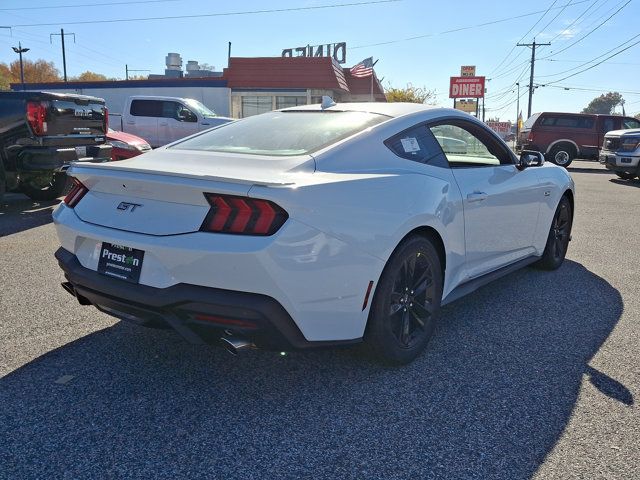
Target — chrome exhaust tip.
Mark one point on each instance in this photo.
(234, 345)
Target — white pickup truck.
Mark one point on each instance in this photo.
(162, 120)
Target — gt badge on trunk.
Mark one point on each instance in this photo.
(120, 262)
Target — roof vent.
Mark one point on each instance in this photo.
(327, 102)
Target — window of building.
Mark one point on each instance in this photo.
(290, 101)
(255, 105)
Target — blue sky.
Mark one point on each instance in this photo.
(386, 31)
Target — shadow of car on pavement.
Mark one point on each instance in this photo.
(488, 399)
(19, 213)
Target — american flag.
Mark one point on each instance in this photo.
(363, 69)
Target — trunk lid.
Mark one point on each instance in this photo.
(162, 192)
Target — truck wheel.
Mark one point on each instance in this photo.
(562, 155)
(626, 175)
(59, 185)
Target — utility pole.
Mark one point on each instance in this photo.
(533, 47)
(19, 50)
(518, 112)
(64, 56)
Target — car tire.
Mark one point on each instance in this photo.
(60, 185)
(559, 236)
(626, 176)
(405, 304)
(562, 155)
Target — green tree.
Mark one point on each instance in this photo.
(604, 104)
(409, 94)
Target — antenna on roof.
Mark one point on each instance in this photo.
(327, 102)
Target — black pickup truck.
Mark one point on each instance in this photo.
(42, 133)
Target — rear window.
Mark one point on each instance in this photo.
(530, 121)
(566, 121)
(282, 133)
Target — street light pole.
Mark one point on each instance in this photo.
(19, 50)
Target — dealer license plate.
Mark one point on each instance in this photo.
(120, 262)
(81, 152)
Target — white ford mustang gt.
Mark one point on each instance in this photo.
(312, 226)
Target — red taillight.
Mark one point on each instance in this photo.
(530, 137)
(106, 120)
(242, 215)
(78, 190)
(36, 117)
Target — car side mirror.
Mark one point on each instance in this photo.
(530, 158)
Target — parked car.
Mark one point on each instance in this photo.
(621, 153)
(310, 227)
(125, 145)
(42, 133)
(162, 120)
(562, 137)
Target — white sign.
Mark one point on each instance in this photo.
(410, 145)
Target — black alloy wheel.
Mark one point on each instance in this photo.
(411, 300)
(403, 312)
(559, 237)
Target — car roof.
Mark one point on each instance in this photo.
(390, 109)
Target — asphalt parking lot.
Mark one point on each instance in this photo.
(535, 375)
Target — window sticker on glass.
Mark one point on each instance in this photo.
(410, 145)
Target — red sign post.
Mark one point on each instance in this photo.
(466, 87)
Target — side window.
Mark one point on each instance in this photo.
(571, 122)
(178, 112)
(469, 145)
(630, 123)
(414, 144)
(607, 125)
(548, 121)
(146, 108)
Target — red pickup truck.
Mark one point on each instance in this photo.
(565, 136)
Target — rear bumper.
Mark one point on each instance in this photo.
(34, 159)
(200, 314)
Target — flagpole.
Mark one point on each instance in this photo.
(372, 73)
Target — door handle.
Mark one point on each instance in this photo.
(164, 124)
(130, 122)
(476, 197)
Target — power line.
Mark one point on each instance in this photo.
(590, 61)
(593, 89)
(589, 33)
(524, 36)
(593, 66)
(554, 18)
(85, 5)
(576, 20)
(203, 15)
(459, 29)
